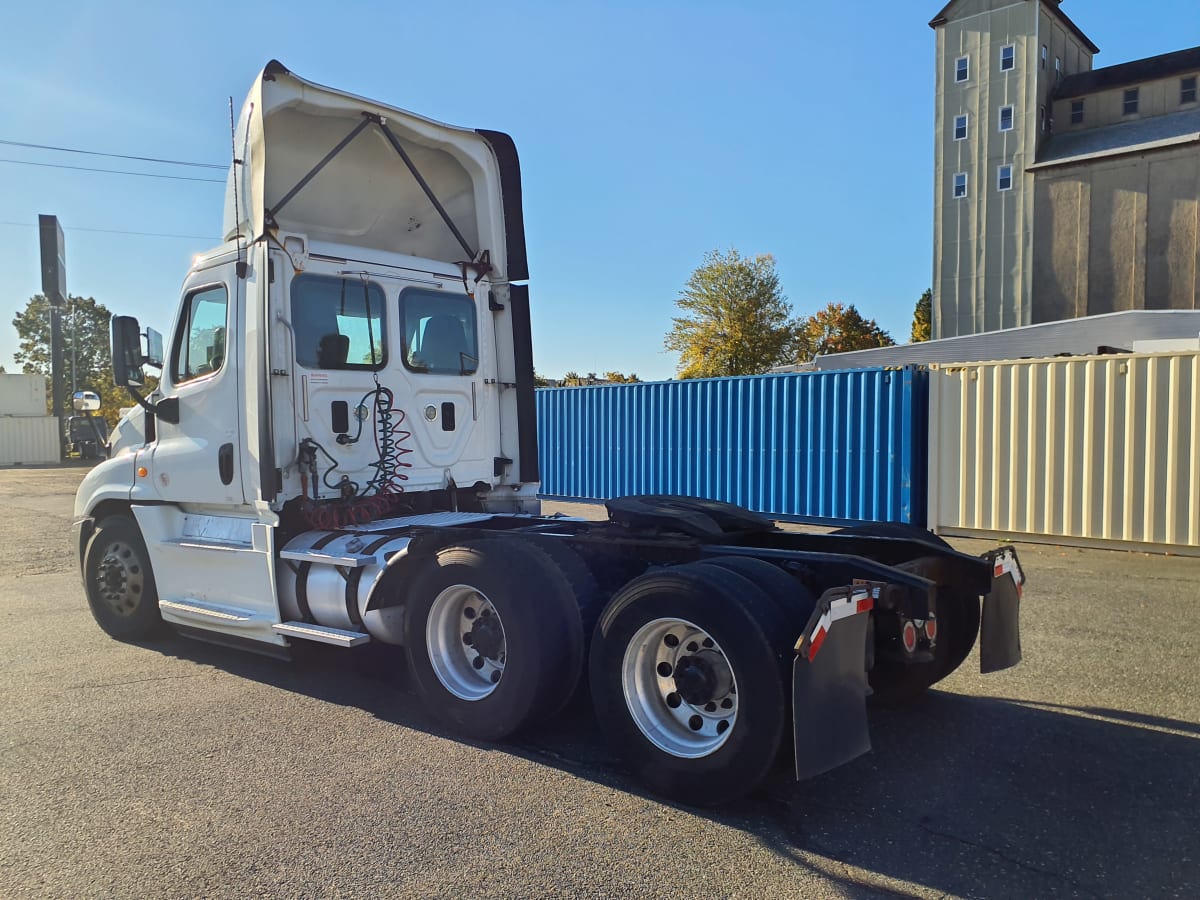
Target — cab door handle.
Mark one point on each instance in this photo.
(225, 463)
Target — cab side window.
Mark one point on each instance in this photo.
(199, 347)
(338, 322)
(439, 332)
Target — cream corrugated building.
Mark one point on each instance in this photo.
(1060, 190)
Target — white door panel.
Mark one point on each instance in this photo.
(197, 459)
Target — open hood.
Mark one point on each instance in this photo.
(344, 170)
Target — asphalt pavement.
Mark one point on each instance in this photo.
(182, 769)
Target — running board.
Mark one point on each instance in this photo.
(338, 637)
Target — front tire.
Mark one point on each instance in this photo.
(687, 671)
(120, 582)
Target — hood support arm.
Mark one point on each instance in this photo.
(462, 241)
(271, 213)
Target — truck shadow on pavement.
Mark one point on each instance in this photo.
(975, 796)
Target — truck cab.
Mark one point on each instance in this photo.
(357, 347)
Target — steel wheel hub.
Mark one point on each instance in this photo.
(679, 688)
(120, 579)
(466, 642)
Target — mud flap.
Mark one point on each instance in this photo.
(1000, 629)
(829, 682)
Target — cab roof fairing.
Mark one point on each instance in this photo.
(365, 196)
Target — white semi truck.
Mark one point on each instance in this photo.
(342, 448)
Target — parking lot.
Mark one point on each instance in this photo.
(182, 769)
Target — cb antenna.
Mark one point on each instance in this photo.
(237, 209)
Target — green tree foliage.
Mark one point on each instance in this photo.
(86, 325)
(574, 379)
(838, 329)
(922, 324)
(735, 319)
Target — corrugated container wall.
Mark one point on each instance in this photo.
(819, 447)
(1096, 451)
(22, 395)
(28, 440)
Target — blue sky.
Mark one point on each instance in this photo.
(649, 133)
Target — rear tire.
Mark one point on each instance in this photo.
(957, 620)
(120, 582)
(493, 637)
(710, 728)
(794, 600)
(589, 600)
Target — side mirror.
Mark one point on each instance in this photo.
(85, 401)
(127, 352)
(154, 349)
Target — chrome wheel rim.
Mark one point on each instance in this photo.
(121, 579)
(466, 642)
(679, 688)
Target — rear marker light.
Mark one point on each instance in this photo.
(909, 635)
(931, 629)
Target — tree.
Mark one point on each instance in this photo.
(85, 325)
(621, 378)
(735, 319)
(838, 329)
(922, 324)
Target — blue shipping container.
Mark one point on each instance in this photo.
(823, 447)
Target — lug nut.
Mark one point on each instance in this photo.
(726, 703)
(695, 723)
(664, 669)
(469, 612)
(477, 662)
(673, 700)
(692, 647)
(671, 641)
(710, 707)
(468, 639)
(496, 676)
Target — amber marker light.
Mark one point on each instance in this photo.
(143, 471)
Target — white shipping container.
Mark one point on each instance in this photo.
(1088, 451)
(22, 395)
(28, 440)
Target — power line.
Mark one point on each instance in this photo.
(190, 237)
(153, 159)
(26, 162)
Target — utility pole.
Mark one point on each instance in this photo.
(54, 286)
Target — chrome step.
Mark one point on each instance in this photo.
(338, 637)
(198, 543)
(349, 560)
(204, 610)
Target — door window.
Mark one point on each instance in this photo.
(200, 342)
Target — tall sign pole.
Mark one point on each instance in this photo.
(54, 286)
